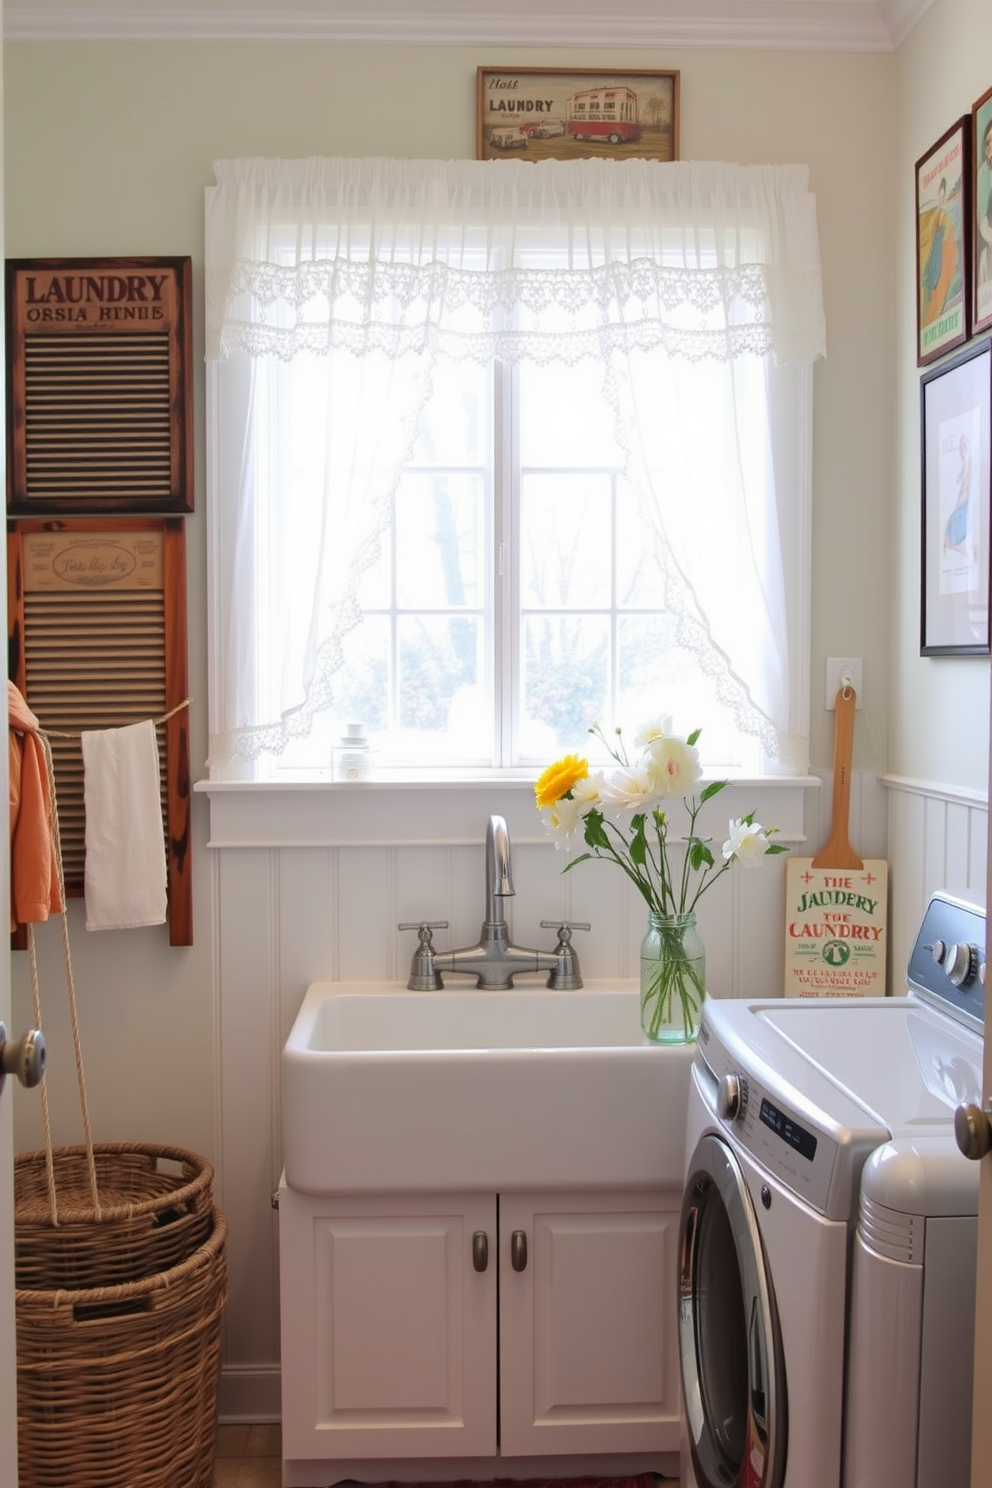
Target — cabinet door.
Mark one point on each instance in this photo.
(388, 1330)
(588, 1328)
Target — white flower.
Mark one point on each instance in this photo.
(563, 819)
(674, 765)
(655, 728)
(588, 792)
(747, 842)
(632, 788)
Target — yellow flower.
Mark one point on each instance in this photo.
(558, 779)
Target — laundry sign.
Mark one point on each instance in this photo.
(836, 903)
(836, 929)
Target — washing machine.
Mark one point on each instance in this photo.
(828, 1230)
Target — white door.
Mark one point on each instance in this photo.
(8, 1385)
(8, 1379)
(981, 1432)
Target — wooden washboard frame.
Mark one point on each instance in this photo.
(99, 385)
(96, 628)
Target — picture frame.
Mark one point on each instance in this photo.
(955, 419)
(555, 113)
(981, 212)
(943, 244)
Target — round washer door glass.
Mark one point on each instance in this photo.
(733, 1378)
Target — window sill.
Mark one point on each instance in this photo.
(419, 811)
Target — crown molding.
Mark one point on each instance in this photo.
(841, 25)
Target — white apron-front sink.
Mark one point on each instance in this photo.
(386, 1090)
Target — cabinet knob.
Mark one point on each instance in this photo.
(480, 1250)
(518, 1250)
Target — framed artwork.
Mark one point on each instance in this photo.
(537, 113)
(955, 415)
(943, 244)
(981, 211)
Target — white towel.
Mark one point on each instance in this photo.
(124, 877)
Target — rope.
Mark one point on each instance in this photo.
(56, 734)
(45, 1113)
(70, 984)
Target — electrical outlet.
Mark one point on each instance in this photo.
(843, 671)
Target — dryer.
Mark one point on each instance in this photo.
(826, 1206)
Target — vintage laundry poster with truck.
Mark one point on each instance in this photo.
(564, 115)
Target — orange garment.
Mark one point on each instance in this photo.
(34, 878)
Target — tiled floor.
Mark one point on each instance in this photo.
(248, 1457)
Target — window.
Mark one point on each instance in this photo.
(497, 455)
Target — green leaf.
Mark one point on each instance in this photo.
(709, 791)
(595, 833)
(693, 737)
(775, 847)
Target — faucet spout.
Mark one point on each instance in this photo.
(493, 960)
(499, 883)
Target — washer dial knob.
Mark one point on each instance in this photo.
(961, 964)
(729, 1097)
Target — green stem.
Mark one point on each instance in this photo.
(678, 976)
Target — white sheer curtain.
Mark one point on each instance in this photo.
(365, 271)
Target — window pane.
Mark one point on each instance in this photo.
(655, 675)
(361, 687)
(440, 543)
(454, 425)
(640, 576)
(564, 417)
(566, 541)
(439, 666)
(566, 681)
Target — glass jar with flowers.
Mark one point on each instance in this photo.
(616, 812)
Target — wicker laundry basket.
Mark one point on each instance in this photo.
(156, 1209)
(117, 1385)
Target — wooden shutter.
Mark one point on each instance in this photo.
(96, 621)
(99, 389)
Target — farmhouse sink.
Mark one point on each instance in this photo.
(386, 1090)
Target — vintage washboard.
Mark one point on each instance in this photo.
(96, 623)
(99, 385)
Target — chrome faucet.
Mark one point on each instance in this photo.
(493, 961)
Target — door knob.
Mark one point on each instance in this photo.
(25, 1058)
(480, 1250)
(972, 1130)
(518, 1250)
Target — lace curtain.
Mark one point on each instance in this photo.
(366, 271)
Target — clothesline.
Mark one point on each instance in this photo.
(57, 734)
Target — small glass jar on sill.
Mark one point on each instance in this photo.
(351, 757)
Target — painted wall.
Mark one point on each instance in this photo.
(939, 719)
(108, 149)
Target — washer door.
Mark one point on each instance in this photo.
(733, 1376)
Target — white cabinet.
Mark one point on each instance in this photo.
(389, 1325)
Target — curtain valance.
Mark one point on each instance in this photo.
(553, 260)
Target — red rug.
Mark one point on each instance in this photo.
(644, 1480)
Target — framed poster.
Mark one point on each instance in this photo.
(537, 113)
(981, 211)
(955, 413)
(943, 244)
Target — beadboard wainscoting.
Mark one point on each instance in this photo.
(310, 886)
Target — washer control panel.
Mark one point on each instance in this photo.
(947, 964)
(792, 1147)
